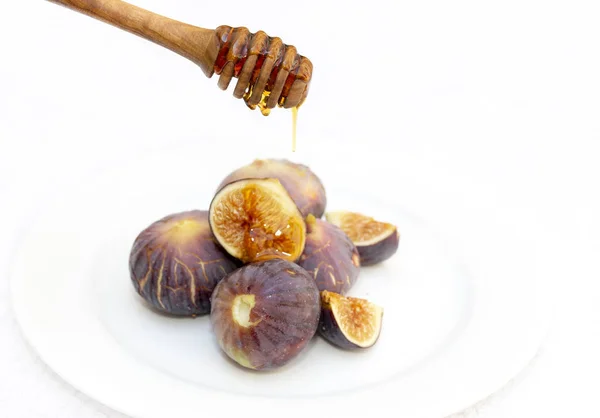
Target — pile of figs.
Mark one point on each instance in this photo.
(267, 263)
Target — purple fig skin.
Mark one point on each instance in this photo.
(330, 257)
(380, 251)
(303, 185)
(283, 318)
(175, 264)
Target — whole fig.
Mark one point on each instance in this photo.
(175, 264)
(329, 256)
(265, 313)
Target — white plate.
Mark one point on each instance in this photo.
(463, 314)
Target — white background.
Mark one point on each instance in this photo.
(507, 91)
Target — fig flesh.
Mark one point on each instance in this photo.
(349, 323)
(256, 220)
(303, 185)
(265, 313)
(376, 241)
(175, 264)
(329, 256)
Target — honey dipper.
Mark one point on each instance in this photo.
(269, 73)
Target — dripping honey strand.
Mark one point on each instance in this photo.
(294, 124)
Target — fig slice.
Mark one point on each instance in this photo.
(376, 241)
(348, 322)
(257, 220)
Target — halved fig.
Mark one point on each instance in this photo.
(329, 256)
(303, 185)
(376, 241)
(348, 322)
(175, 263)
(256, 220)
(265, 313)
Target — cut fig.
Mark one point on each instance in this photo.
(257, 220)
(349, 323)
(265, 313)
(329, 256)
(303, 185)
(175, 264)
(376, 241)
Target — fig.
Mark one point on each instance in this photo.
(303, 185)
(348, 322)
(257, 220)
(175, 263)
(376, 241)
(265, 313)
(329, 256)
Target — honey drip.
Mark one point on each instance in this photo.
(262, 105)
(294, 122)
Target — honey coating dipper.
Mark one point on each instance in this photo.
(269, 73)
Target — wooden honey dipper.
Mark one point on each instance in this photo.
(269, 73)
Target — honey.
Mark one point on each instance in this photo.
(294, 123)
(262, 104)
